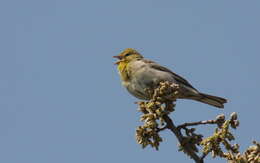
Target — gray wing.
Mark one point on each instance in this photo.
(175, 76)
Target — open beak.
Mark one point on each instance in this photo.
(118, 57)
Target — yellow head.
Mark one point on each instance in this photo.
(128, 55)
(125, 57)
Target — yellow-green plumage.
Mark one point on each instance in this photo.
(122, 69)
(127, 56)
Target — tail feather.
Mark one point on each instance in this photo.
(210, 100)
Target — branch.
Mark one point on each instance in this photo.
(184, 125)
(178, 134)
(156, 118)
(157, 109)
(220, 119)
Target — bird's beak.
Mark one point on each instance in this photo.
(118, 57)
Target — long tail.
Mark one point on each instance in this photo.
(210, 100)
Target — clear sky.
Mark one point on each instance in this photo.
(60, 95)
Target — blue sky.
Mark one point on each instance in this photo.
(60, 94)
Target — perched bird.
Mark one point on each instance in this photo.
(139, 74)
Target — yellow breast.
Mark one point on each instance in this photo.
(122, 68)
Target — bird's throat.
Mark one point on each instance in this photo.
(122, 68)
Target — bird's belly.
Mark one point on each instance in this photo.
(136, 90)
(144, 81)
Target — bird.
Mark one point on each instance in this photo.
(139, 74)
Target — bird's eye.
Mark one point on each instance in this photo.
(127, 54)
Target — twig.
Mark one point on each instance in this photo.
(161, 129)
(184, 125)
(178, 134)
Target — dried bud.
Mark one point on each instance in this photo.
(234, 124)
(220, 119)
(154, 110)
(233, 116)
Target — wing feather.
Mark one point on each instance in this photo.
(176, 76)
